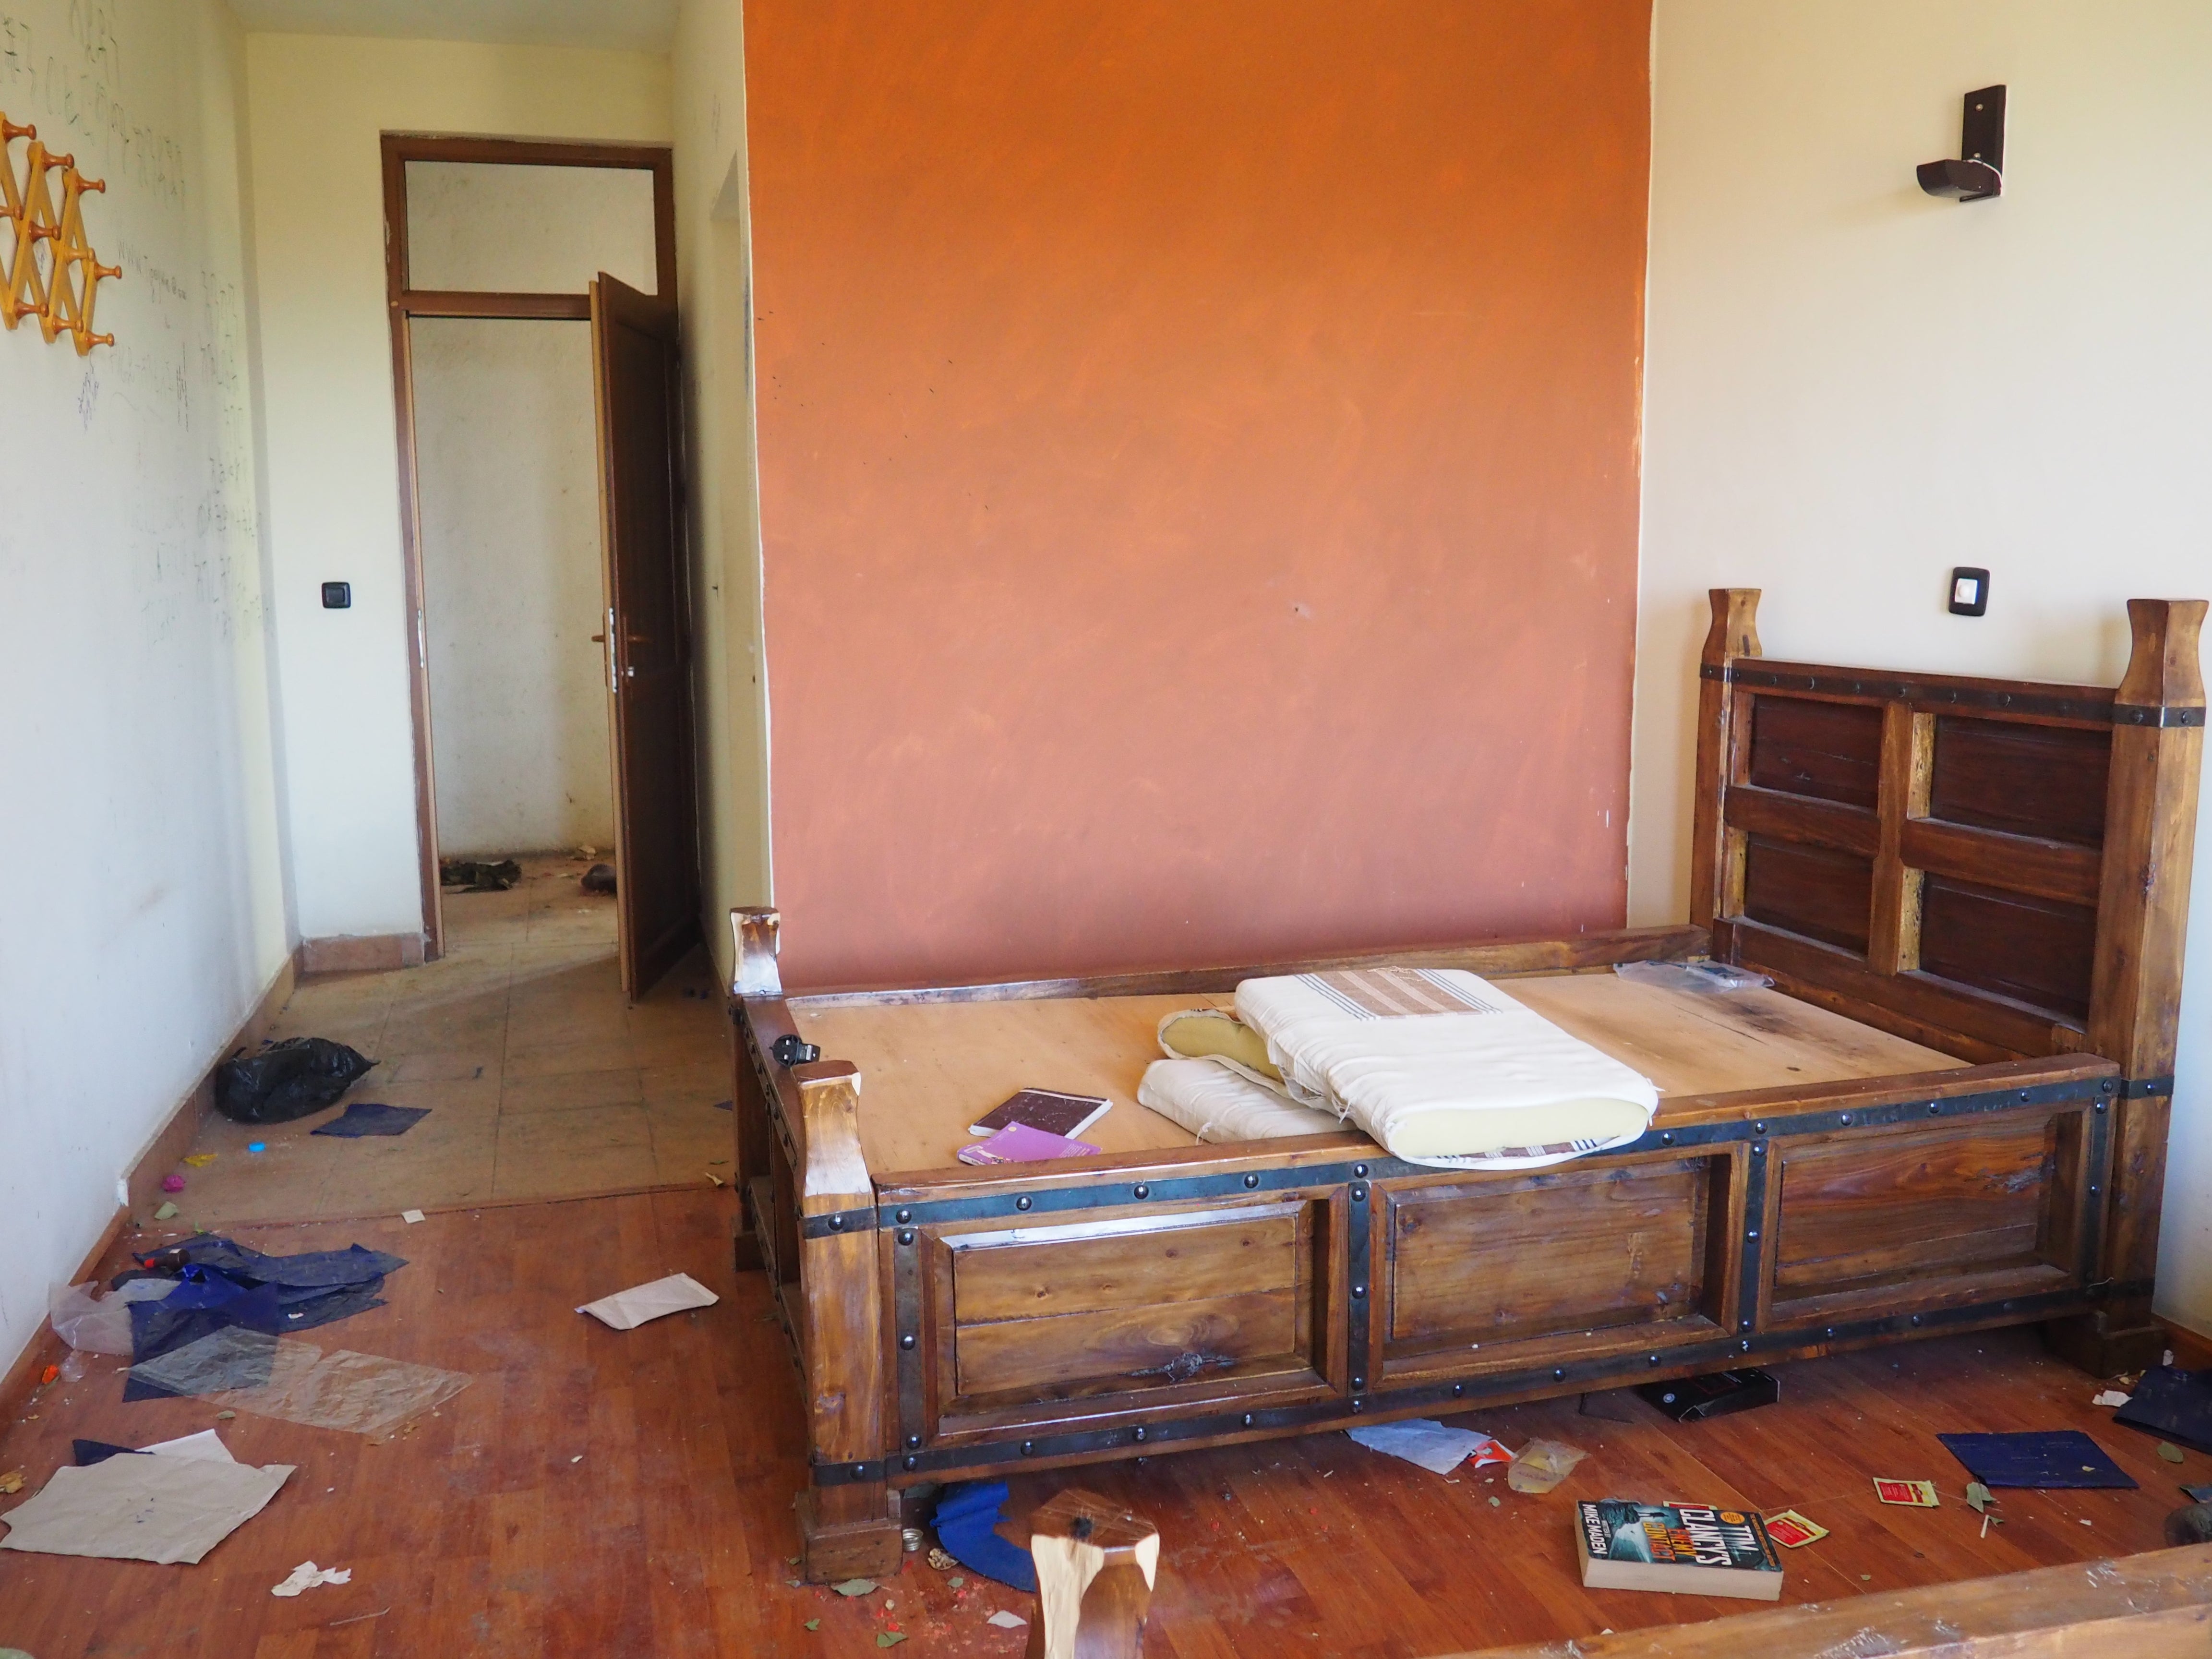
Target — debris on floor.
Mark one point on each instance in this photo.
(967, 1520)
(479, 875)
(1794, 1531)
(1005, 1620)
(172, 1183)
(167, 1212)
(172, 1505)
(626, 1310)
(308, 1575)
(1693, 1399)
(356, 1392)
(411, 1216)
(96, 1324)
(199, 1160)
(1437, 1447)
(1979, 1497)
(2062, 1459)
(2108, 1397)
(2176, 1405)
(366, 1117)
(12, 1481)
(1910, 1494)
(855, 1586)
(287, 1080)
(599, 878)
(1542, 1465)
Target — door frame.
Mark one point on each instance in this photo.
(405, 303)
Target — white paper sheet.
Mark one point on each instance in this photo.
(1437, 1447)
(626, 1310)
(165, 1507)
(206, 1445)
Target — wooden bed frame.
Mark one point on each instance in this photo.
(1971, 895)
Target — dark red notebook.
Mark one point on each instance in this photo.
(1056, 1114)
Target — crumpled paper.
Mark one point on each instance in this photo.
(308, 1575)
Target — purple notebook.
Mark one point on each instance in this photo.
(1018, 1143)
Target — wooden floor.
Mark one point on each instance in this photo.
(542, 1081)
(599, 1493)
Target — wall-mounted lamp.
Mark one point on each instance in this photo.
(1979, 173)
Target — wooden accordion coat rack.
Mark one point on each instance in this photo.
(60, 289)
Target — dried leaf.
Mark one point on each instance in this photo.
(855, 1587)
(1979, 1496)
(12, 1481)
(814, 1624)
(888, 1638)
(2169, 1451)
(165, 1211)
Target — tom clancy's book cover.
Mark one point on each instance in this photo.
(1690, 1549)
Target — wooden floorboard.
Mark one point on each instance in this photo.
(600, 1492)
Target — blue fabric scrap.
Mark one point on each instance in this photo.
(967, 1517)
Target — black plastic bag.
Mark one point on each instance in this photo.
(287, 1080)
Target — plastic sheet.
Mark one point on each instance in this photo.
(1542, 1465)
(232, 1357)
(356, 1393)
(1699, 978)
(97, 1324)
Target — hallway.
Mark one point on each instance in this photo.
(542, 1083)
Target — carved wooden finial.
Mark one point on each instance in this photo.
(1095, 1566)
(1735, 632)
(2162, 667)
(834, 1176)
(755, 932)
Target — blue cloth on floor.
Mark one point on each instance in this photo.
(373, 1118)
(310, 1270)
(2060, 1459)
(966, 1516)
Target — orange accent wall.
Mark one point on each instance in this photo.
(1198, 450)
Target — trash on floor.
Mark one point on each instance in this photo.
(356, 1393)
(172, 1183)
(220, 1286)
(411, 1216)
(479, 875)
(967, 1520)
(2108, 1397)
(97, 1324)
(2170, 1452)
(1542, 1465)
(1437, 1447)
(626, 1310)
(1693, 1399)
(173, 1505)
(1910, 1494)
(167, 1212)
(2176, 1405)
(12, 1481)
(365, 1117)
(1794, 1531)
(1979, 1497)
(308, 1575)
(287, 1080)
(226, 1357)
(2059, 1459)
(855, 1586)
(1005, 1620)
(199, 1160)
(599, 878)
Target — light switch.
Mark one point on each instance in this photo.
(1970, 591)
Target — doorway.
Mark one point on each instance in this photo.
(533, 300)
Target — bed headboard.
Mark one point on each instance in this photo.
(1996, 868)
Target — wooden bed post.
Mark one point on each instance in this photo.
(1096, 1565)
(2135, 999)
(848, 1518)
(1716, 851)
(754, 933)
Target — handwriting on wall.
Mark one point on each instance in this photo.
(50, 269)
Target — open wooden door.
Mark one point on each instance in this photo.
(636, 376)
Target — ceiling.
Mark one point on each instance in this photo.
(634, 25)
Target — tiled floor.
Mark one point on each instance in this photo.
(542, 1082)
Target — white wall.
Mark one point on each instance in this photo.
(1852, 387)
(714, 248)
(507, 475)
(142, 913)
(320, 104)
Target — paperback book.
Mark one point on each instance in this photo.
(1688, 1549)
(1056, 1114)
